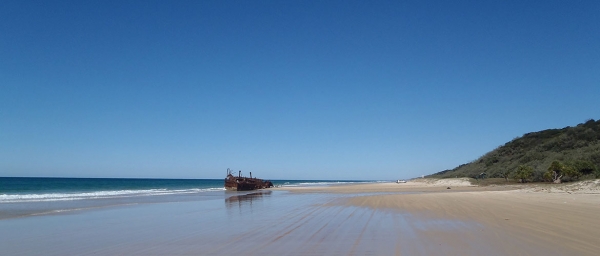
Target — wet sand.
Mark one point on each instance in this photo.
(558, 223)
(511, 220)
(366, 219)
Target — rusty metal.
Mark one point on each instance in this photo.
(241, 183)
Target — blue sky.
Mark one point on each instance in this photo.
(286, 89)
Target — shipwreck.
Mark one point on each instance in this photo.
(240, 183)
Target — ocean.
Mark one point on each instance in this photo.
(21, 197)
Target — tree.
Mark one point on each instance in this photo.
(555, 171)
(524, 173)
(548, 176)
(584, 167)
(505, 173)
(571, 172)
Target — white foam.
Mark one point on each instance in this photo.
(323, 183)
(49, 197)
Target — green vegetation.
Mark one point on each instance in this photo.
(524, 173)
(554, 155)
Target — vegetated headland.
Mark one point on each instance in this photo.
(553, 155)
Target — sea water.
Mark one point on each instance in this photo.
(21, 197)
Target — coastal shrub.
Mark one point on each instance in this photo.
(590, 123)
(506, 174)
(583, 167)
(595, 158)
(538, 175)
(524, 173)
(572, 146)
(588, 135)
(560, 172)
(571, 173)
(548, 177)
(490, 161)
(555, 171)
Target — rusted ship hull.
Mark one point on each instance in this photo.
(241, 183)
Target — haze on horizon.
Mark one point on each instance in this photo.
(286, 90)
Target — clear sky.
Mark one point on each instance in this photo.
(286, 89)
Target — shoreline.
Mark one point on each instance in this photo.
(414, 218)
(421, 185)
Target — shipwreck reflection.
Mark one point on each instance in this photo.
(247, 200)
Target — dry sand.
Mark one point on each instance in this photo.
(514, 220)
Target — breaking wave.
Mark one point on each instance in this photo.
(322, 183)
(50, 197)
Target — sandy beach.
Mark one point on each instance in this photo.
(415, 218)
(513, 222)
